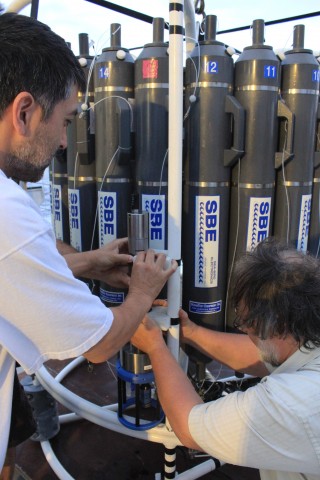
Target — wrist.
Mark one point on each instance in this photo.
(157, 348)
(139, 303)
(190, 333)
(139, 299)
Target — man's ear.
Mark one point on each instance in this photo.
(25, 113)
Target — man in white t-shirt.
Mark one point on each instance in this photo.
(45, 312)
(275, 425)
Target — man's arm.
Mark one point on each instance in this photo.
(176, 393)
(234, 350)
(108, 263)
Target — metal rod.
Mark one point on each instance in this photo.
(34, 9)
(272, 22)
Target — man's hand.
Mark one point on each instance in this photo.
(149, 275)
(147, 336)
(109, 264)
(187, 327)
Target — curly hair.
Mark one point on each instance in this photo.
(276, 290)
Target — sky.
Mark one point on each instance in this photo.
(68, 18)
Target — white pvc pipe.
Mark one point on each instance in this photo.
(175, 127)
(175, 132)
(17, 5)
(68, 368)
(191, 474)
(198, 471)
(190, 26)
(54, 463)
(73, 417)
(101, 416)
(173, 340)
(183, 11)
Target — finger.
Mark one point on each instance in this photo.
(124, 278)
(161, 259)
(182, 314)
(174, 265)
(158, 302)
(170, 267)
(123, 259)
(150, 256)
(140, 257)
(122, 244)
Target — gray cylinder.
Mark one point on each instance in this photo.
(44, 409)
(138, 232)
(82, 197)
(300, 91)
(314, 231)
(58, 174)
(256, 86)
(113, 87)
(151, 108)
(211, 147)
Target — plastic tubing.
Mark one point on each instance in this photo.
(54, 463)
(190, 26)
(60, 392)
(197, 471)
(102, 416)
(175, 130)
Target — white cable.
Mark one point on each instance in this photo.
(197, 69)
(54, 463)
(235, 246)
(318, 248)
(97, 209)
(114, 96)
(76, 165)
(198, 471)
(162, 168)
(98, 415)
(91, 68)
(284, 182)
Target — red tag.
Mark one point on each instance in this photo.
(150, 68)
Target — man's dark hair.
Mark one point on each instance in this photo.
(276, 291)
(35, 59)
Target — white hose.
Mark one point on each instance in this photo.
(54, 463)
(190, 26)
(101, 416)
(197, 471)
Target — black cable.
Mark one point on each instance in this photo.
(272, 22)
(34, 9)
(124, 10)
(199, 7)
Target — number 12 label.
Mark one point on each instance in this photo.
(211, 67)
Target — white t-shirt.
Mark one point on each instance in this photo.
(273, 426)
(45, 313)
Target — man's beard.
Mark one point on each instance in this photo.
(21, 170)
(268, 353)
(28, 162)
